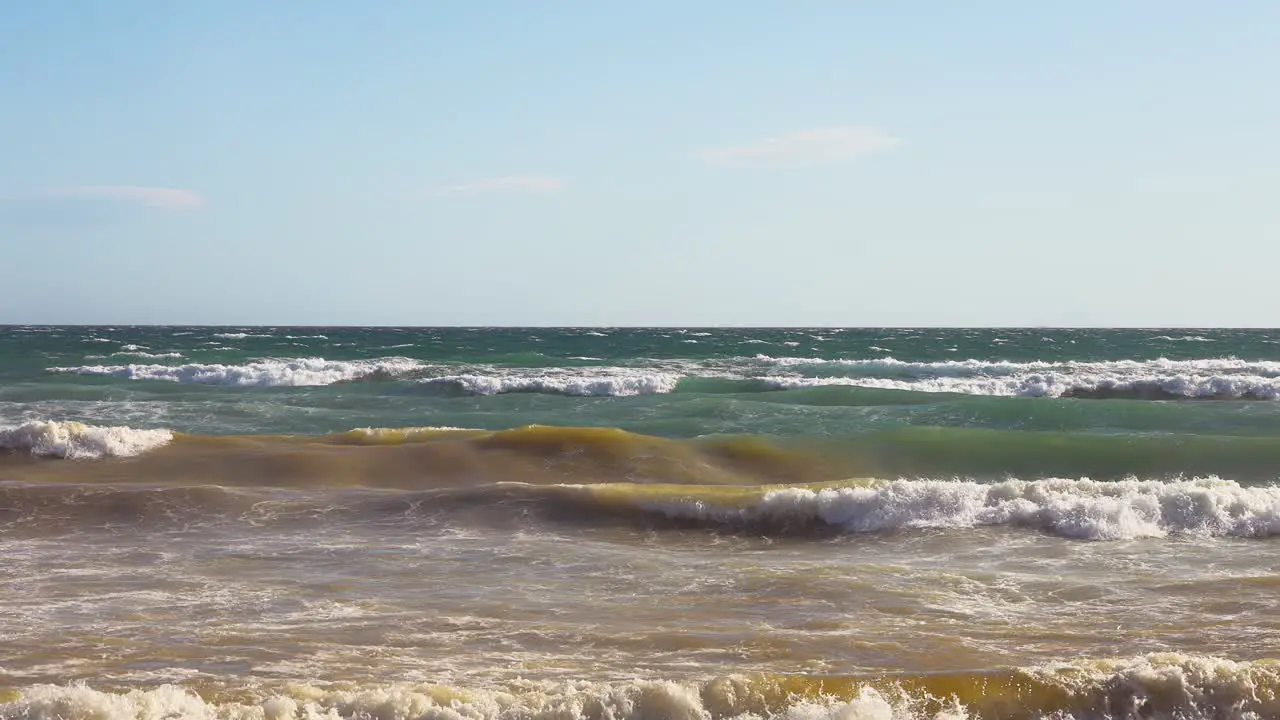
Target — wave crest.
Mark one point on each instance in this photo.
(77, 441)
(1079, 509)
(603, 381)
(263, 373)
(1210, 378)
(1170, 685)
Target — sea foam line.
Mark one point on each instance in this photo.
(262, 373)
(1050, 384)
(889, 366)
(1169, 685)
(1081, 509)
(1226, 378)
(599, 381)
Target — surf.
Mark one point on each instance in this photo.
(1170, 685)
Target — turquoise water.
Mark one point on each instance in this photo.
(1109, 402)
(670, 382)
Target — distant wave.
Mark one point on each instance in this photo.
(1217, 378)
(596, 381)
(240, 335)
(263, 373)
(147, 355)
(892, 367)
(1166, 685)
(77, 441)
(586, 381)
(1224, 378)
(1100, 386)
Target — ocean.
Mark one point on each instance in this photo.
(609, 523)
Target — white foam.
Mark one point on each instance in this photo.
(594, 381)
(263, 373)
(1082, 509)
(961, 368)
(1200, 378)
(400, 434)
(145, 355)
(239, 335)
(1051, 384)
(78, 441)
(639, 700)
(1167, 685)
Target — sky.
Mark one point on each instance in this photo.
(502, 162)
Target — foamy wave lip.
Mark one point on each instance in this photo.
(1167, 685)
(77, 441)
(892, 367)
(1081, 509)
(264, 373)
(396, 435)
(596, 381)
(1063, 385)
(146, 355)
(1224, 378)
(239, 335)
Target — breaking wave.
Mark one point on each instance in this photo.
(1073, 509)
(601, 381)
(77, 441)
(263, 373)
(1061, 385)
(1170, 685)
(147, 355)
(1078, 509)
(1219, 378)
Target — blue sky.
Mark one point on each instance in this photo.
(760, 163)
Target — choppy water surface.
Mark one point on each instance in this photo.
(610, 523)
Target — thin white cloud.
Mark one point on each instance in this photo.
(809, 148)
(155, 197)
(506, 183)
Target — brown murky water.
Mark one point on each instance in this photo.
(345, 590)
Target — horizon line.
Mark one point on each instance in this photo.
(7, 325)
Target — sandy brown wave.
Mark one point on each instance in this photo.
(426, 459)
